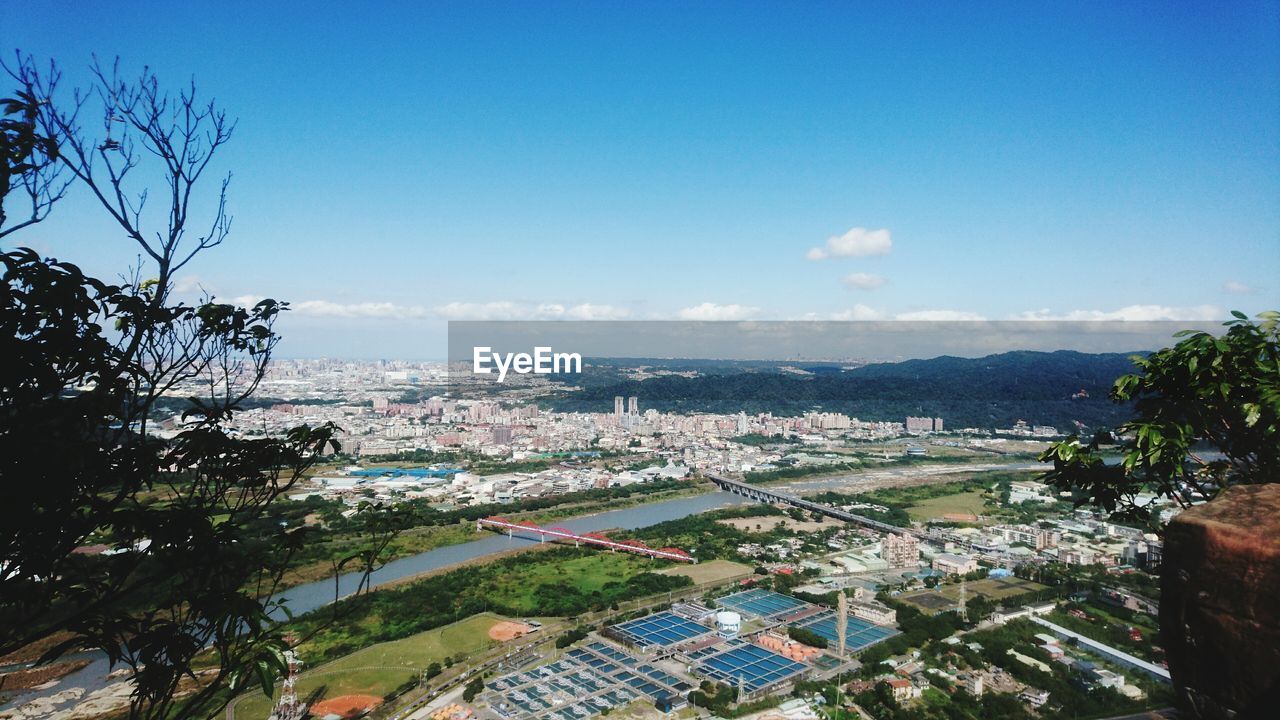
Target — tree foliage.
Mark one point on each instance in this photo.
(806, 636)
(1206, 415)
(473, 688)
(988, 392)
(183, 504)
(29, 167)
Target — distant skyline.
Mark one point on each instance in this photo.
(400, 165)
(868, 341)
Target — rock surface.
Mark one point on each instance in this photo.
(1220, 604)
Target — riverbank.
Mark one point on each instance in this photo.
(423, 539)
(31, 677)
(484, 547)
(869, 466)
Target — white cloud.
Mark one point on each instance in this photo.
(480, 311)
(858, 242)
(858, 312)
(712, 311)
(518, 311)
(939, 315)
(862, 281)
(325, 308)
(188, 284)
(587, 311)
(1132, 313)
(246, 300)
(1238, 288)
(500, 310)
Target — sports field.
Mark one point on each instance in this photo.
(946, 597)
(379, 669)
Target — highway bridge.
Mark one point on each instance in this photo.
(765, 495)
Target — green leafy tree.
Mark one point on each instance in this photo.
(1206, 415)
(979, 608)
(806, 636)
(188, 505)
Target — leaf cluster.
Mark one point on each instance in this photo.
(1206, 415)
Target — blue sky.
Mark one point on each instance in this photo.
(397, 165)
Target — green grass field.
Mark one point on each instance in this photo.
(970, 503)
(379, 669)
(993, 588)
(586, 574)
(946, 597)
(710, 571)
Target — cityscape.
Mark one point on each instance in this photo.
(665, 361)
(817, 562)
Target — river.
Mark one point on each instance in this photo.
(304, 598)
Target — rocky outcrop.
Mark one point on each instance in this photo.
(1220, 604)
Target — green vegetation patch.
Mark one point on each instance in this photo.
(560, 581)
(382, 668)
(971, 502)
(1105, 624)
(993, 588)
(709, 572)
(1068, 697)
(564, 587)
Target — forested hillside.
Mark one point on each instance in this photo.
(989, 392)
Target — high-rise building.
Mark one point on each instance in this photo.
(633, 405)
(503, 434)
(900, 550)
(617, 406)
(917, 425)
(937, 424)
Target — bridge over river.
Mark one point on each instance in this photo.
(765, 495)
(759, 494)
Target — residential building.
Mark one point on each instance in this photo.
(1034, 698)
(903, 690)
(900, 550)
(875, 612)
(954, 564)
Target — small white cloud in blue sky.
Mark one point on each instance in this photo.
(1131, 313)
(939, 315)
(858, 242)
(858, 312)
(712, 311)
(1238, 288)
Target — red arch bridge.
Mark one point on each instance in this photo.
(634, 546)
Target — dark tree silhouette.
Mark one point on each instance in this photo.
(29, 167)
(185, 503)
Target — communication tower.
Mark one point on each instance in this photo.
(289, 707)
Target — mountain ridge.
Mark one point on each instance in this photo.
(988, 392)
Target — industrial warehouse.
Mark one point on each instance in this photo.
(742, 642)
